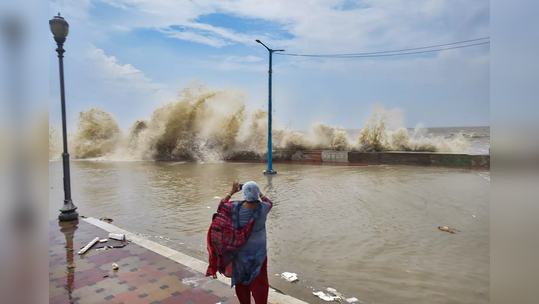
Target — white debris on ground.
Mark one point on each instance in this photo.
(329, 297)
(332, 295)
(193, 282)
(289, 276)
(216, 197)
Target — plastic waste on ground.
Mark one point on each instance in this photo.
(328, 297)
(289, 276)
(117, 236)
(332, 295)
(115, 266)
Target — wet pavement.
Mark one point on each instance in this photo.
(143, 276)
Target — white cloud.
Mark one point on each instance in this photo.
(234, 63)
(194, 37)
(240, 59)
(108, 69)
(317, 26)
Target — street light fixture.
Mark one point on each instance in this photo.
(60, 29)
(270, 156)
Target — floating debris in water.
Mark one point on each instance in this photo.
(448, 229)
(106, 219)
(289, 276)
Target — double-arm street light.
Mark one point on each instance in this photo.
(270, 165)
(60, 29)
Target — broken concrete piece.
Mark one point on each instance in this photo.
(85, 248)
(289, 276)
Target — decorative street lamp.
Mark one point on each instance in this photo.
(60, 29)
(270, 160)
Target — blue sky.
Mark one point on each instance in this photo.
(128, 57)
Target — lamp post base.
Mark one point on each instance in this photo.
(269, 172)
(68, 212)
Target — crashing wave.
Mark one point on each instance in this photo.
(207, 125)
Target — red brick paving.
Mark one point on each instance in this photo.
(144, 276)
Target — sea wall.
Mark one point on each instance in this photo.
(368, 158)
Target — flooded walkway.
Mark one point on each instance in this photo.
(148, 273)
(371, 232)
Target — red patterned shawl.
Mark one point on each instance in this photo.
(224, 241)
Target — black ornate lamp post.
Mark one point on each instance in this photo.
(60, 29)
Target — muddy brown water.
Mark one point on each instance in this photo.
(369, 232)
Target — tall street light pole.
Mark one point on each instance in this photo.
(60, 29)
(270, 156)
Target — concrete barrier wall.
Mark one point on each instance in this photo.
(419, 158)
(335, 156)
(371, 158)
(281, 155)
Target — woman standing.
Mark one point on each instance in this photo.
(237, 243)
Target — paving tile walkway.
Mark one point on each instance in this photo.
(143, 276)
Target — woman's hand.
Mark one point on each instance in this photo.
(235, 187)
